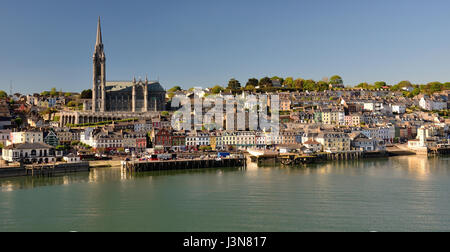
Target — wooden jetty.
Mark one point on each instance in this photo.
(147, 166)
(439, 151)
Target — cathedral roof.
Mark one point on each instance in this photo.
(153, 86)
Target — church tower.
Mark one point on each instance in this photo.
(99, 74)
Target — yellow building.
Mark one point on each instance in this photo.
(334, 141)
(213, 142)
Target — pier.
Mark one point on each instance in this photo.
(296, 159)
(147, 166)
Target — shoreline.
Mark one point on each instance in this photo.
(65, 168)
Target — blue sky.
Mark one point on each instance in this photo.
(47, 43)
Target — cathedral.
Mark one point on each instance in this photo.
(141, 96)
(115, 100)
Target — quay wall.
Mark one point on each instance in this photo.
(44, 170)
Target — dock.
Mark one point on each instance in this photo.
(194, 164)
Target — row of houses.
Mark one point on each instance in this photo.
(222, 140)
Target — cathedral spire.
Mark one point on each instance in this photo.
(99, 33)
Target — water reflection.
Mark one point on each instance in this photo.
(11, 184)
(100, 175)
(416, 167)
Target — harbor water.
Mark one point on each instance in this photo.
(390, 194)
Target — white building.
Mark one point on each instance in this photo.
(245, 139)
(430, 104)
(26, 137)
(4, 136)
(386, 133)
(30, 152)
(72, 159)
(398, 108)
(198, 139)
(377, 107)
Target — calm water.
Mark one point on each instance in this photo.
(397, 194)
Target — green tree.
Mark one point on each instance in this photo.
(252, 82)
(53, 92)
(265, 82)
(322, 86)
(279, 79)
(364, 85)
(434, 87)
(86, 94)
(298, 84)
(3, 94)
(72, 104)
(336, 79)
(45, 93)
(174, 89)
(309, 85)
(61, 147)
(415, 92)
(234, 84)
(379, 84)
(250, 88)
(217, 89)
(289, 82)
(404, 83)
(18, 122)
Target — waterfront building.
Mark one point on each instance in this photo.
(228, 139)
(360, 141)
(71, 159)
(334, 141)
(216, 140)
(178, 141)
(313, 146)
(102, 139)
(423, 141)
(162, 138)
(29, 152)
(386, 133)
(288, 137)
(309, 136)
(273, 139)
(245, 139)
(260, 139)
